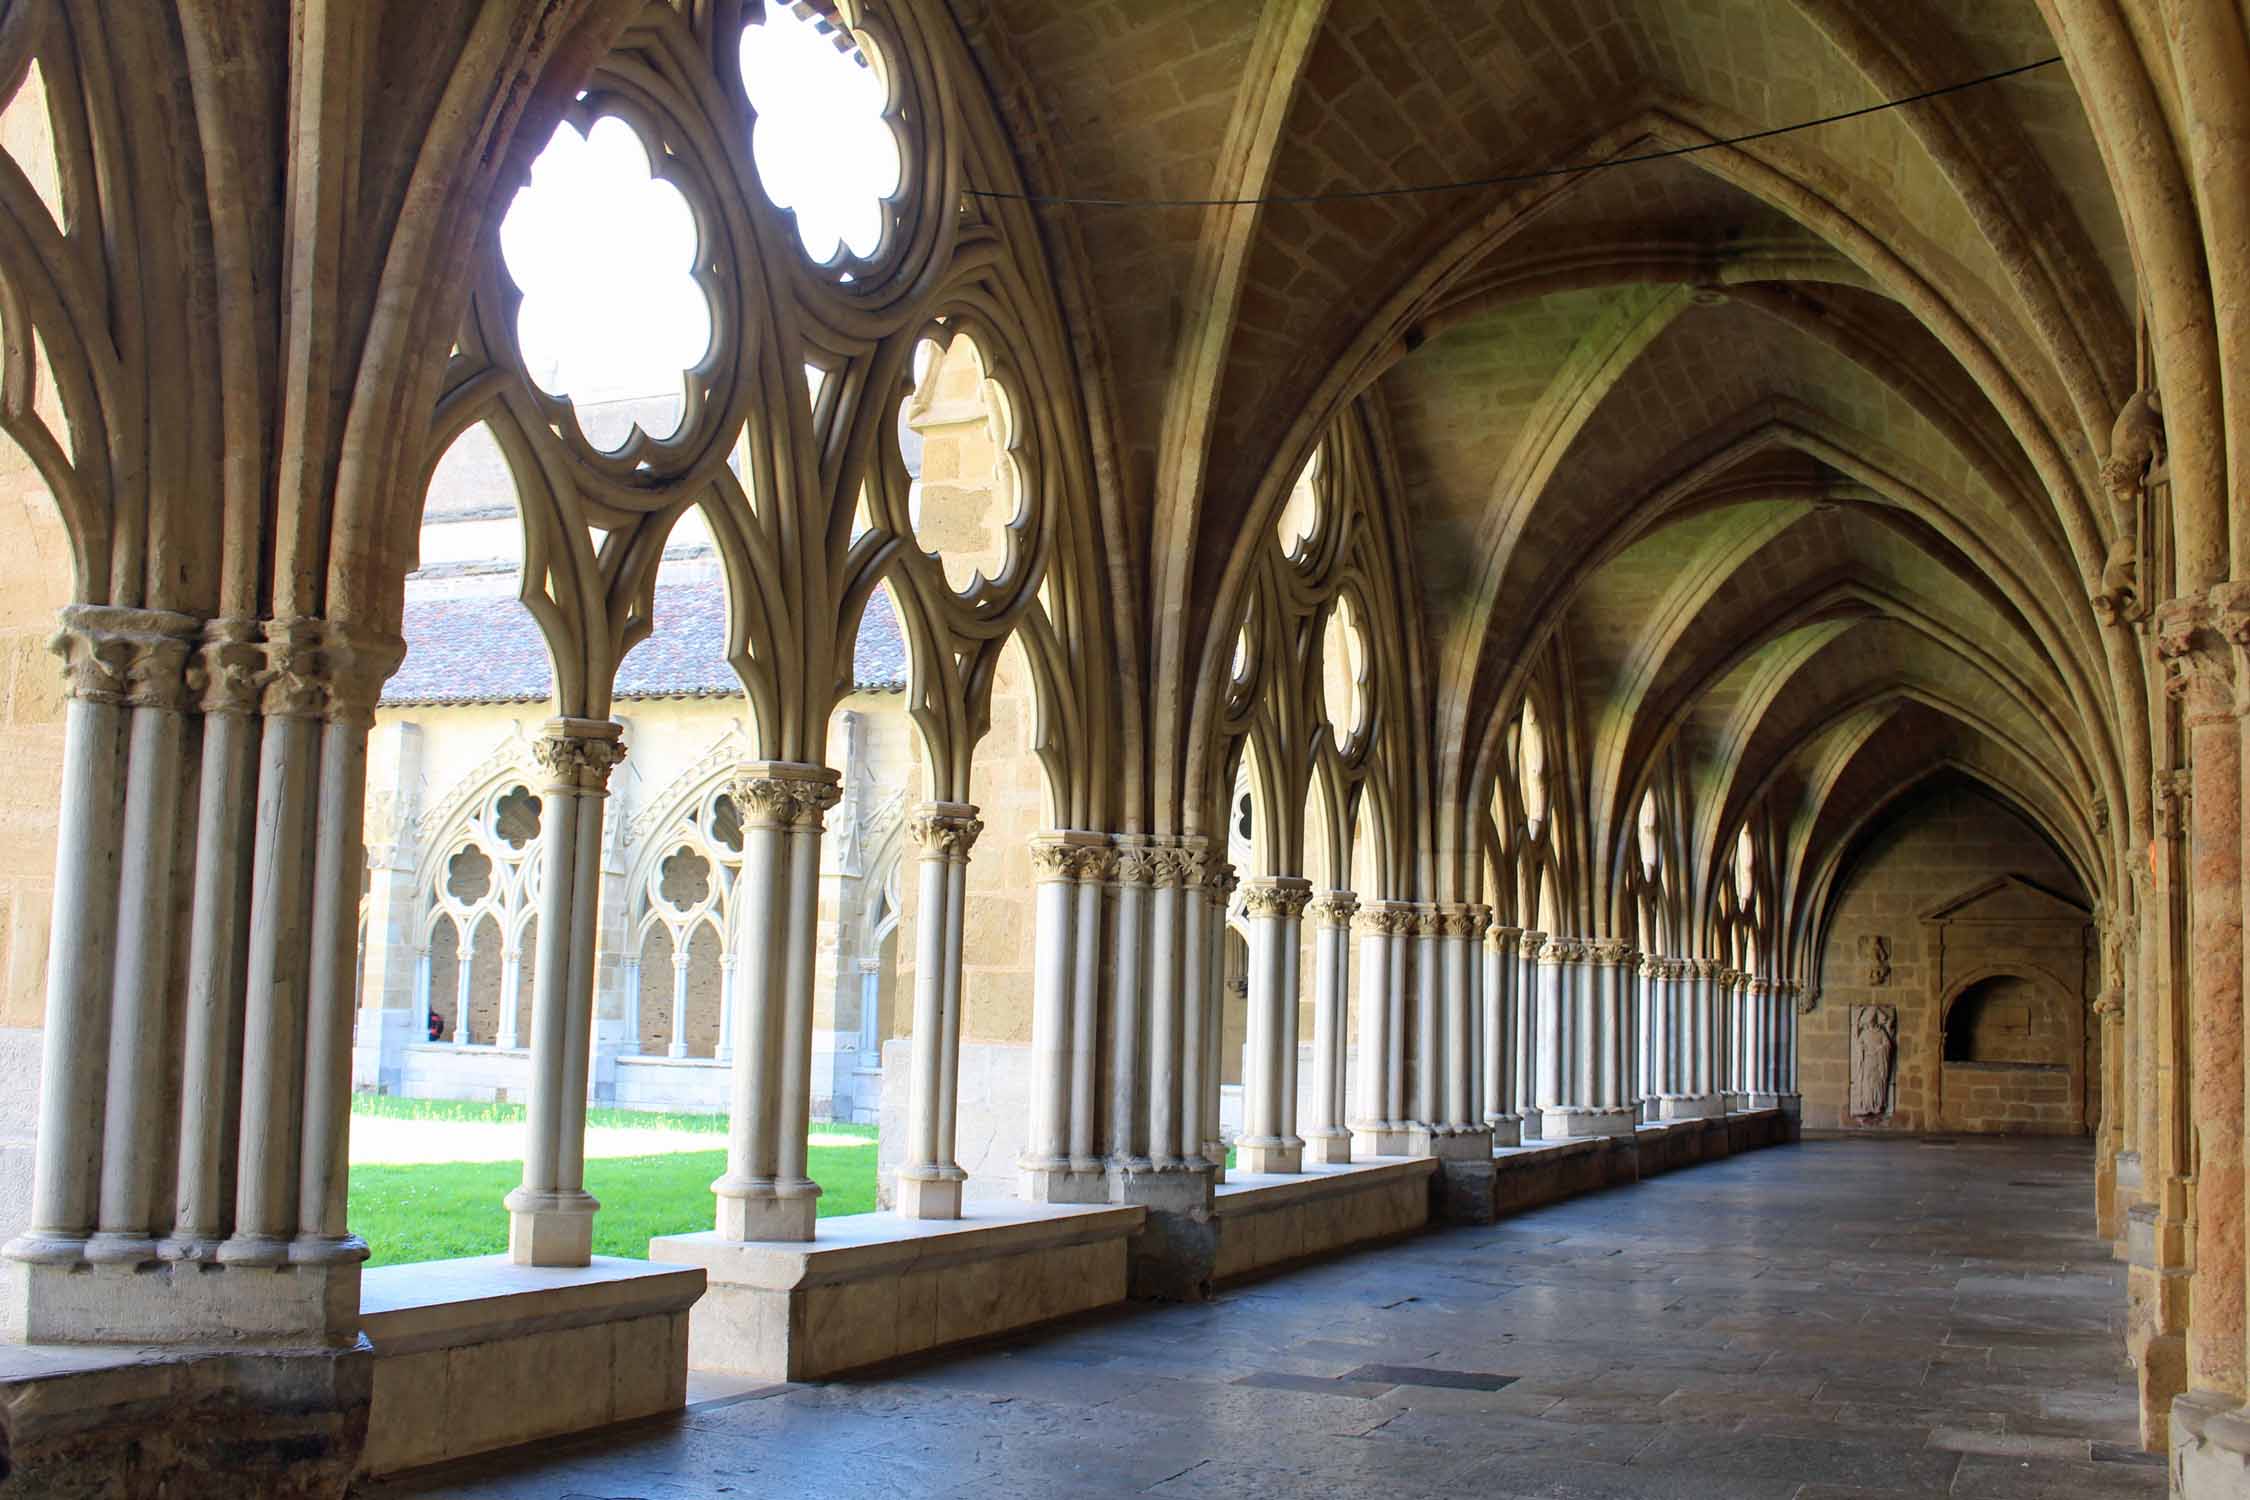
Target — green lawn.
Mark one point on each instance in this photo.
(437, 1212)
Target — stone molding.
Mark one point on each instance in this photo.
(784, 794)
(132, 658)
(579, 754)
(1609, 953)
(945, 829)
(1275, 896)
(1562, 950)
(1386, 918)
(1333, 908)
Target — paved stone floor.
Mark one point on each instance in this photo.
(1885, 1320)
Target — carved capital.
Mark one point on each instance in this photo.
(1502, 936)
(130, 657)
(2109, 1005)
(1333, 908)
(1609, 953)
(1386, 918)
(2198, 661)
(2170, 809)
(1219, 880)
(1562, 950)
(225, 676)
(1137, 864)
(783, 794)
(1275, 896)
(579, 754)
(2230, 608)
(1808, 999)
(949, 829)
(1180, 866)
(1531, 944)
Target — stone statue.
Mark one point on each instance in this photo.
(1874, 1058)
(1875, 953)
(2136, 449)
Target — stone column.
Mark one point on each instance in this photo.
(1428, 1109)
(1501, 1037)
(2198, 665)
(1274, 906)
(1060, 1154)
(1686, 1091)
(1137, 868)
(929, 1180)
(1375, 1131)
(1457, 1100)
(1528, 1033)
(765, 1194)
(1581, 1087)
(1198, 998)
(1327, 1140)
(1178, 873)
(390, 1014)
(551, 1216)
(1218, 890)
(1406, 919)
(1614, 967)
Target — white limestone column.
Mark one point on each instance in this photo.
(1289, 1043)
(1197, 1056)
(140, 1000)
(1710, 1078)
(1429, 1016)
(1656, 1034)
(1218, 890)
(1405, 920)
(1327, 1139)
(1527, 1032)
(629, 986)
(677, 1046)
(756, 1198)
(1737, 1070)
(1500, 1039)
(1045, 1164)
(1171, 870)
(1372, 1131)
(1272, 905)
(464, 979)
(1096, 876)
(1457, 1101)
(1556, 956)
(227, 669)
(929, 1180)
(1582, 1092)
(793, 1181)
(1616, 972)
(551, 1215)
(1136, 873)
(511, 994)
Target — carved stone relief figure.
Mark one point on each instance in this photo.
(1874, 1059)
(2136, 450)
(1875, 955)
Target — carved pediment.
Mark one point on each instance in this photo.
(2007, 898)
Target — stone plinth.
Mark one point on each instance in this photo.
(1689, 1106)
(877, 1287)
(182, 1302)
(1574, 1123)
(1266, 1221)
(473, 1355)
(2210, 1448)
(277, 1424)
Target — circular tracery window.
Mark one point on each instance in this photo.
(955, 430)
(1343, 672)
(823, 146)
(604, 252)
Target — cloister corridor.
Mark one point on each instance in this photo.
(1844, 1319)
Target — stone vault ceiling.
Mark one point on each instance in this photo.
(1778, 463)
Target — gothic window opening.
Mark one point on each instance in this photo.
(812, 80)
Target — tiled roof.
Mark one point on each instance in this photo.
(487, 649)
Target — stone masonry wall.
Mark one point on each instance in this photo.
(1951, 839)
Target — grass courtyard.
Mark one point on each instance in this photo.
(428, 1175)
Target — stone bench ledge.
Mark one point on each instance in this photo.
(446, 1304)
(1261, 1192)
(861, 1247)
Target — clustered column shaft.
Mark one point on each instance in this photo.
(929, 1181)
(208, 766)
(1062, 1163)
(1503, 1035)
(766, 1193)
(1327, 1141)
(1377, 1126)
(1274, 909)
(551, 1215)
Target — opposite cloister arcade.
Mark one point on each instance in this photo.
(1276, 611)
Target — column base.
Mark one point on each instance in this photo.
(1447, 1144)
(1689, 1106)
(1269, 1156)
(766, 1216)
(551, 1229)
(929, 1197)
(1061, 1183)
(1572, 1123)
(1379, 1140)
(187, 1302)
(2210, 1446)
(1328, 1148)
(1215, 1157)
(1507, 1130)
(1167, 1189)
(1530, 1127)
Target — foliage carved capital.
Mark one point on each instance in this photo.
(579, 754)
(947, 829)
(1333, 908)
(783, 794)
(133, 658)
(1275, 896)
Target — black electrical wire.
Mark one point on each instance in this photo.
(1508, 178)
